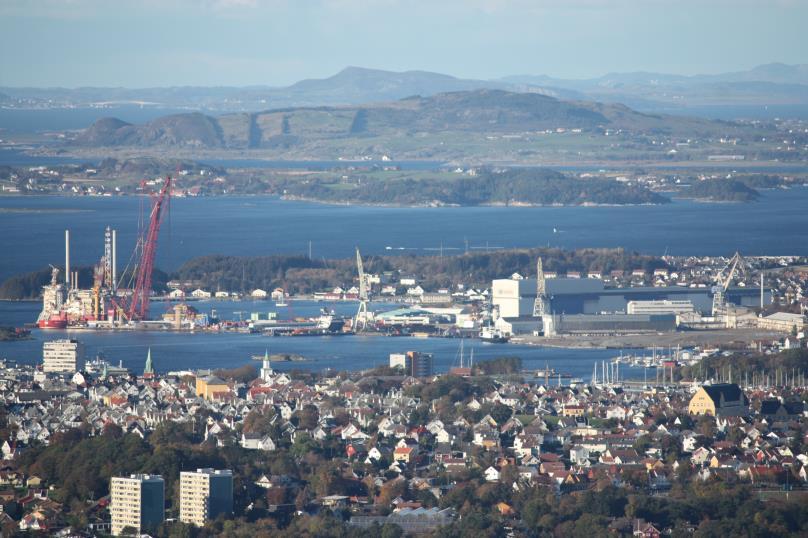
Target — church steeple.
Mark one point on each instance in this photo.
(148, 370)
(266, 367)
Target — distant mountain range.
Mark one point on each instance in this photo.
(771, 84)
(768, 84)
(481, 112)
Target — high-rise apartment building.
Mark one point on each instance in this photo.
(204, 494)
(136, 502)
(61, 356)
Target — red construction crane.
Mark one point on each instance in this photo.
(139, 305)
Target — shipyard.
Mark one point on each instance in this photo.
(684, 303)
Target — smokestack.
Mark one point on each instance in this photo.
(114, 260)
(67, 259)
(761, 290)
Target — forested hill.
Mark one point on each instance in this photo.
(298, 274)
(528, 186)
(721, 190)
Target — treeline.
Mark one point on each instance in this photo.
(534, 186)
(739, 366)
(300, 274)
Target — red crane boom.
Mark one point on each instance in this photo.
(139, 306)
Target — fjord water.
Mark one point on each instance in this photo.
(182, 351)
(33, 228)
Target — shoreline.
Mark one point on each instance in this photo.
(247, 154)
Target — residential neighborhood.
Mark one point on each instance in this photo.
(378, 448)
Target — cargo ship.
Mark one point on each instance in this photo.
(326, 324)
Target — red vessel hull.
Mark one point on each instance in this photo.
(53, 323)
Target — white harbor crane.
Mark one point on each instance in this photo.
(539, 305)
(361, 319)
(735, 265)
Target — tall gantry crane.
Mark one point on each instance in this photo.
(361, 320)
(540, 305)
(736, 265)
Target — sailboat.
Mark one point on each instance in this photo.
(463, 370)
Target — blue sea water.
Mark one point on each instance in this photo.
(33, 233)
(33, 228)
(183, 351)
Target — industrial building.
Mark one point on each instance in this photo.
(136, 502)
(660, 307)
(205, 494)
(605, 324)
(413, 363)
(782, 322)
(62, 356)
(516, 297)
(424, 315)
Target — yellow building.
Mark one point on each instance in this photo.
(573, 411)
(209, 386)
(722, 399)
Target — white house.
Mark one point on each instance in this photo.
(258, 294)
(200, 294)
(491, 474)
(255, 441)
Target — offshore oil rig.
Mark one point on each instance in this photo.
(110, 302)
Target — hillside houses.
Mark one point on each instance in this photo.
(516, 432)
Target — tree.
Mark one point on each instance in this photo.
(391, 530)
(501, 413)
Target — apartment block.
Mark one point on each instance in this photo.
(205, 494)
(61, 356)
(136, 502)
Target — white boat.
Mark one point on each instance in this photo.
(491, 334)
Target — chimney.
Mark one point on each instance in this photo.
(114, 260)
(67, 259)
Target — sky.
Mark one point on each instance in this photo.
(147, 43)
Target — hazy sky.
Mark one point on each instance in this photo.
(277, 42)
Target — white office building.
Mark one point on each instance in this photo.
(62, 356)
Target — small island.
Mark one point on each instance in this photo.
(10, 334)
(720, 190)
(488, 186)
